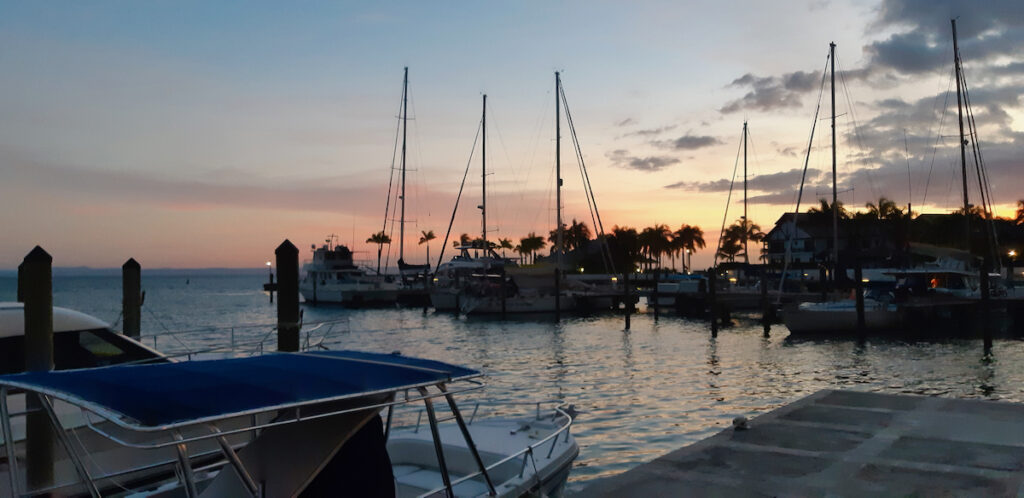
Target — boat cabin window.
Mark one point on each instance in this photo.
(77, 349)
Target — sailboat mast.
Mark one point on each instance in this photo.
(835, 204)
(746, 222)
(483, 173)
(405, 127)
(558, 169)
(963, 140)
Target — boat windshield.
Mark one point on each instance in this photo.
(78, 349)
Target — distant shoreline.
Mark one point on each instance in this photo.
(84, 271)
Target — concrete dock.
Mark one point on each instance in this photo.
(846, 443)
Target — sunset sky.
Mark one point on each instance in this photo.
(202, 134)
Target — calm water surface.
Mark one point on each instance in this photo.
(642, 393)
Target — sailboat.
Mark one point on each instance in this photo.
(542, 288)
(840, 316)
(412, 275)
(927, 288)
(469, 270)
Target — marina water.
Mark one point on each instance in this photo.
(641, 393)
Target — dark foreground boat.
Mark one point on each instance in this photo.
(284, 424)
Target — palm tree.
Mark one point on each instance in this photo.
(656, 240)
(626, 241)
(464, 240)
(824, 210)
(573, 236)
(505, 244)
(427, 236)
(522, 253)
(884, 210)
(747, 231)
(531, 244)
(731, 244)
(690, 239)
(380, 238)
(1019, 219)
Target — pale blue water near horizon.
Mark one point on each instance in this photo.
(642, 393)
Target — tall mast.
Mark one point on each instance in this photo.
(835, 204)
(963, 140)
(405, 127)
(746, 222)
(483, 173)
(558, 169)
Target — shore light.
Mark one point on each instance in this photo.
(1012, 253)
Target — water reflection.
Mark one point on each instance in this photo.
(643, 392)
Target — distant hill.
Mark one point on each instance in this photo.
(85, 271)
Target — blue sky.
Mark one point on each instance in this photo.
(172, 131)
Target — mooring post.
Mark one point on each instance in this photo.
(858, 289)
(713, 302)
(766, 319)
(654, 293)
(38, 293)
(287, 296)
(131, 297)
(20, 282)
(627, 301)
(270, 278)
(986, 329)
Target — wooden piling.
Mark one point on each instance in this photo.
(20, 282)
(766, 319)
(270, 278)
(858, 289)
(287, 296)
(712, 300)
(37, 288)
(131, 297)
(986, 328)
(627, 300)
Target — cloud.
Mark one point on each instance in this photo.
(649, 164)
(625, 122)
(650, 132)
(771, 182)
(688, 142)
(987, 32)
(771, 92)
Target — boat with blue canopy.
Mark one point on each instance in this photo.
(281, 424)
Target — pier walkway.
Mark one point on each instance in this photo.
(846, 443)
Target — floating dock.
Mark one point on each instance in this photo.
(846, 443)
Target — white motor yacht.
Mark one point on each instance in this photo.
(332, 277)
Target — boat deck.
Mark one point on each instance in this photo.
(846, 443)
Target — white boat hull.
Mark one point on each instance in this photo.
(350, 294)
(839, 319)
(545, 472)
(516, 304)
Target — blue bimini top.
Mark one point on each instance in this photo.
(164, 395)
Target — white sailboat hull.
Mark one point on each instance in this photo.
(841, 317)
